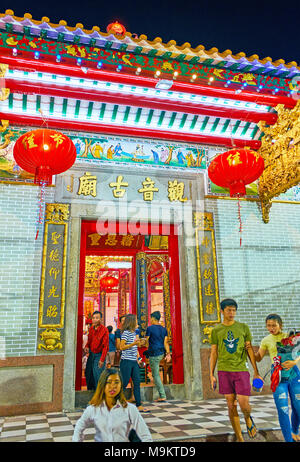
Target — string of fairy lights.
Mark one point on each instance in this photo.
(159, 73)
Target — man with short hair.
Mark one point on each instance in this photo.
(229, 341)
(97, 347)
(158, 345)
(112, 347)
(118, 332)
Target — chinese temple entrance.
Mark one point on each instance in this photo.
(123, 272)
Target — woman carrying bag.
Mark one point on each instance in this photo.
(129, 365)
(285, 380)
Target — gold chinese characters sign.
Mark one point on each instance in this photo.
(280, 149)
(207, 273)
(98, 186)
(142, 292)
(53, 280)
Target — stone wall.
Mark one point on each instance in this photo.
(263, 274)
(20, 268)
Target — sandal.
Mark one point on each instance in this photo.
(250, 429)
(160, 400)
(145, 410)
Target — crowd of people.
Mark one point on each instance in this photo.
(111, 361)
(114, 360)
(231, 347)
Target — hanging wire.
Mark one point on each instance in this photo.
(240, 220)
(45, 120)
(238, 198)
(41, 208)
(42, 191)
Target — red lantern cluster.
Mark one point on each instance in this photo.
(116, 28)
(235, 169)
(44, 153)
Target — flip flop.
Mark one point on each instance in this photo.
(146, 411)
(160, 400)
(249, 429)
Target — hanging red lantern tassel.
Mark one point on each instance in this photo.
(240, 221)
(235, 169)
(108, 282)
(44, 153)
(41, 209)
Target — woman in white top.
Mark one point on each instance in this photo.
(110, 413)
(129, 365)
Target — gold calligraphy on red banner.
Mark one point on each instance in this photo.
(207, 268)
(114, 241)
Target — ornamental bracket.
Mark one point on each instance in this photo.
(280, 149)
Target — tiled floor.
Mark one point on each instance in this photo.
(167, 421)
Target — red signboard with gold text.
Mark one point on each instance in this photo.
(97, 241)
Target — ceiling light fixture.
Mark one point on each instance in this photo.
(164, 84)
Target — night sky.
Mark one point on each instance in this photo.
(254, 27)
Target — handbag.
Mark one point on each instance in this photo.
(133, 436)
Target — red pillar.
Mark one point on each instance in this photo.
(175, 307)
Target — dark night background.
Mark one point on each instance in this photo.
(261, 27)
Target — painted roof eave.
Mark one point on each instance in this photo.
(100, 39)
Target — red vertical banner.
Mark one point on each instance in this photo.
(122, 295)
(102, 306)
(175, 311)
(132, 285)
(167, 305)
(78, 377)
(142, 292)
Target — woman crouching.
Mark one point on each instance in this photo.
(112, 416)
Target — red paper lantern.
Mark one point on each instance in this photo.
(44, 153)
(108, 282)
(116, 28)
(235, 169)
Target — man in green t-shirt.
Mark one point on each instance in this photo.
(228, 349)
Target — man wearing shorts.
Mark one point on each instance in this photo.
(228, 348)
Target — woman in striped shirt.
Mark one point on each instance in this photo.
(129, 365)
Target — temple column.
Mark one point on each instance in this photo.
(122, 296)
(167, 306)
(142, 292)
(102, 305)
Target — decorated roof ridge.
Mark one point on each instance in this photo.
(143, 42)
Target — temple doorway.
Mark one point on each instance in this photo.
(122, 273)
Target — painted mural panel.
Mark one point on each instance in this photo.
(142, 152)
(106, 149)
(9, 170)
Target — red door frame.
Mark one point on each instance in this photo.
(88, 227)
